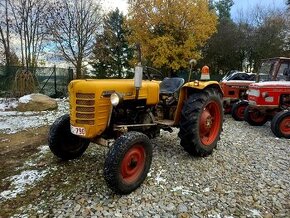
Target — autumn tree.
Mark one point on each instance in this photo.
(73, 25)
(112, 53)
(170, 32)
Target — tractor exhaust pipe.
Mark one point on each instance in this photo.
(138, 72)
(138, 78)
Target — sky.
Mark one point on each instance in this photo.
(239, 5)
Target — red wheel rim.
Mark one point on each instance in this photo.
(285, 126)
(133, 164)
(257, 116)
(241, 111)
(210, 122)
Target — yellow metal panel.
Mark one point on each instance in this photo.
(200, 85)
(102, 104)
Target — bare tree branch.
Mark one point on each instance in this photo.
(73, 27)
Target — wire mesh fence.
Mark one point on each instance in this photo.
(51, 81)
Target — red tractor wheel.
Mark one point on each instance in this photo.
(238, 110)
(128, 162)
(280, 125)
(201, 123)
(255, 117)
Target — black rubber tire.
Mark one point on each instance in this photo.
(63, 143)
(276, 122)
(251, 113)
(117, 153)
(189, 133)
(238, 109)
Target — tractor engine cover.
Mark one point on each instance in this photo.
(90, 105)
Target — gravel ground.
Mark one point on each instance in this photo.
(247, 176)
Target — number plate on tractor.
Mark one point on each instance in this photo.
(78, 130)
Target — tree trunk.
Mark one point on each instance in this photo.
(79, 69)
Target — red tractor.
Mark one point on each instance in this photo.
(235, 96)
(270, 70)
(271, 100)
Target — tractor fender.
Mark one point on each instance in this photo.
(190, 88)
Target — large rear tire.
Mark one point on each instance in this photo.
(63, 143)
(238, 110)
(255, 117)
(280, 125)
(201, 122)
(128, 162)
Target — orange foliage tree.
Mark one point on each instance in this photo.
(170, 32)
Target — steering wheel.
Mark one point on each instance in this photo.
(151, 73)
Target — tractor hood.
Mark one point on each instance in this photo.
(272, 84)
(237, 82)
(103, 88)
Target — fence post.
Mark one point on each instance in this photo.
(54, 72)
(70, 74)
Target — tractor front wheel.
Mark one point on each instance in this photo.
(63, 143)
(280, 125)
(201, 122)
(128, 162)
(255, 117)
(238, 110)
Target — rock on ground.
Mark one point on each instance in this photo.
(36, 102)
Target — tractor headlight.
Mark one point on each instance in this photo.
(254, 92)
(115, 99)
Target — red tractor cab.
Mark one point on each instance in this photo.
(271, 100)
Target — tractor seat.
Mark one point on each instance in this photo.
(170, 85)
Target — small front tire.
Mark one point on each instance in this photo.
(280, 125)
(128, 162)
(63, 143)
(238, 110)
(255, 117)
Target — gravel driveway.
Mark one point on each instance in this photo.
(247, 176)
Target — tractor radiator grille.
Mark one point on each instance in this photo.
(85, 108)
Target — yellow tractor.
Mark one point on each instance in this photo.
(131, 111)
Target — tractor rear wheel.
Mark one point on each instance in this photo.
(63, 143)
(238, 110)
(255, 117)
(280, 125)
(201, 122)
(128, 162)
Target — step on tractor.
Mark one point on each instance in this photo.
(129, 112)
(271, 101)
(270, 70)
